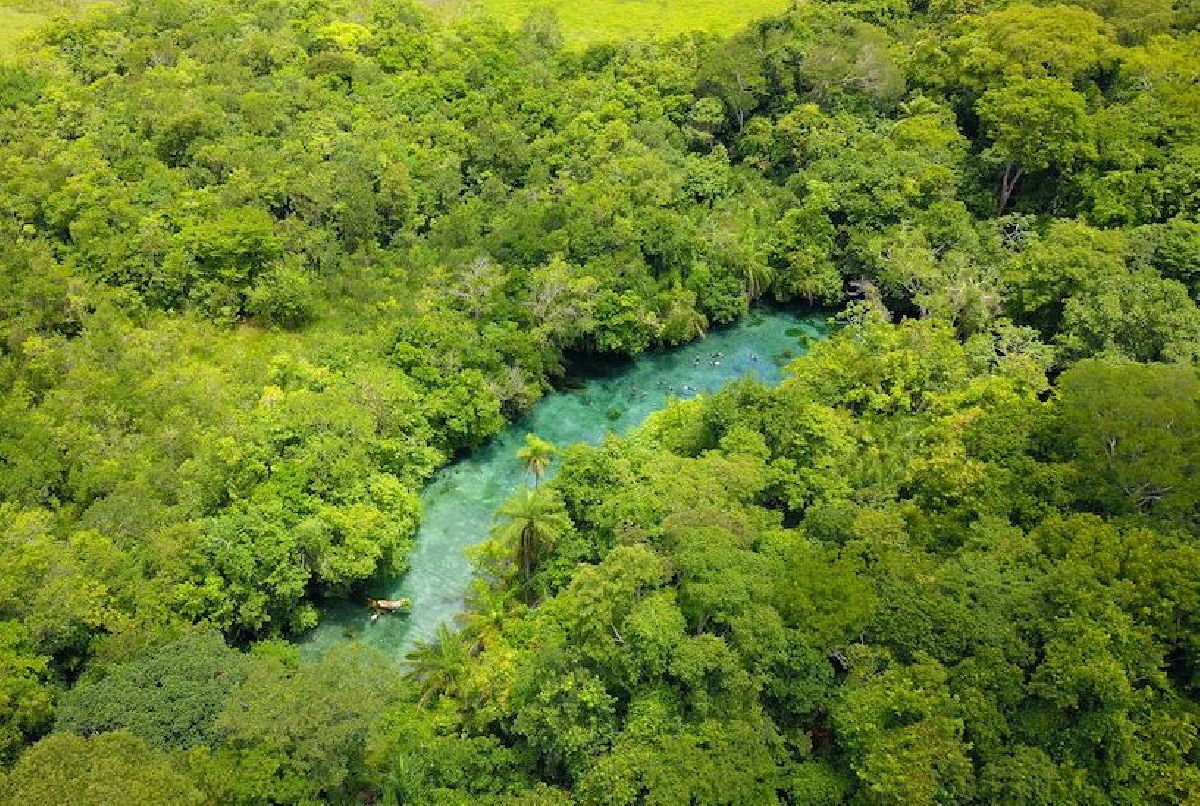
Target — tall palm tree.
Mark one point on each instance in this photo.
(536, 456)
(438, 666)
(532, 520)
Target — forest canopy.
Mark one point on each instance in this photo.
(265, 266)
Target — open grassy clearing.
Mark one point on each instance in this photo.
(19, 18)
(586, 21)
(15, 23)
(582, 21)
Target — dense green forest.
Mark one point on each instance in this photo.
(266, 265)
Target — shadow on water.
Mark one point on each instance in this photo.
(598, 396)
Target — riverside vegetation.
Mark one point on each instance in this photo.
(459, 503)
(267, 265)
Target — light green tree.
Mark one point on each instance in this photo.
(1135, 431)
(536, 455)
(110, 768)
(1033, 125)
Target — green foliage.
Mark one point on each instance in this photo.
(170, 697)
(284, 296)
(297, 733)
(438, 666)
(1033, 125)
(112, 768)
(264, 267)
(1134, 430)
(64, 590)
(1022, 41)
(1174, 249)
(530, 523)
(904, 641)
(1085, 291)
(898, 727)
(424, 758)
(536, 456)
(26, 698)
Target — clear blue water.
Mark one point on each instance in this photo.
(459, 502)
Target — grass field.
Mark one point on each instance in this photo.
(584, 21)
(14, 24)
(19, 17)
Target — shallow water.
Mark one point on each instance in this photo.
(460, 500)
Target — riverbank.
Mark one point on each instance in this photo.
(459, 502)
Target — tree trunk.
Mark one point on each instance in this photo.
(527, 538)
(1008, 184)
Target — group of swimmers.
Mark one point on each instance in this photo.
(715, 359)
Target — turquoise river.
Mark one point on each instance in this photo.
(459, 501)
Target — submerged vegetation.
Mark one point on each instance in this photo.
(266, 265)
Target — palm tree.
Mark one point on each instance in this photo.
(488, 606)
(536, 456)
(532, 520)
(438, 666)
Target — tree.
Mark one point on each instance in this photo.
(1136, 314)
(734, 73)
(283, 296)
(804, 243)
(26, 697)
(901, 735)
(111, 768)
(488, 607)
(1021, 40)
(715, 761)
(1134, 430)
(850, 59)
(64, 592)
(423, 755)
(536, 455)
(1175, 251)
(297, 732)
(438, 666)
(170, 696)
(1086, 291)
(1027, 775)
(1033, 125)
(758, 276)
(215, 261)
(531, 520)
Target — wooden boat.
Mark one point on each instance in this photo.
(381, 606)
